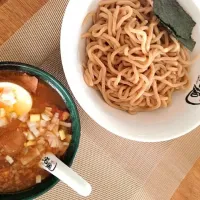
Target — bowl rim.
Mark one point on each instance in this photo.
(47, 184)
(71, 56)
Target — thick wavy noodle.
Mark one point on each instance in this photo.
(131, 60)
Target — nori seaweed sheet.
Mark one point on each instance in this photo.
(176, 20)
(188, 43)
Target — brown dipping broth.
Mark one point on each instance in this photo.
(16, 177)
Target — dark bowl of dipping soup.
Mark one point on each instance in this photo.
(29, 129)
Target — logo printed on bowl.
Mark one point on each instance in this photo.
(193, 97)
(49, 164)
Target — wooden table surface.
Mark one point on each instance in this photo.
(14, 13)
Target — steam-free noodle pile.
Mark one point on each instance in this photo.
(134, 62)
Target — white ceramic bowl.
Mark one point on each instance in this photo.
(163, 124)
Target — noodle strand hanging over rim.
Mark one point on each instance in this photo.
(131, 60)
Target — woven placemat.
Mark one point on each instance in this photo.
(118, 169)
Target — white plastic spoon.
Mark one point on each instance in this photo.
(56, 167)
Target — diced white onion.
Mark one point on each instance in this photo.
(8, 98)
(38, 179)
(13, 115)
(57, 134)
(65, 143)
(35, 131)
(23, 118)
(9, 160)
(45, 117)
(3, 122)
(25, 133)
(50, 127)
(55, 118)
(32, 124)
(48, 108)
(43, 123)
(25, 151)
(57, 122)
(41, 140)
(30, 143)
(53, 140)
(40, 148)
(42, 130)
(65, 124)
(50, 114)
(30, 136)
(2, 112)
(55, 129)
(56, 115)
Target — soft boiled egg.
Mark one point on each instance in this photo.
(14, 98)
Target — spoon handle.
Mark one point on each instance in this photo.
(55, 166)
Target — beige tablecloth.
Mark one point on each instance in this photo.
(118, 169)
